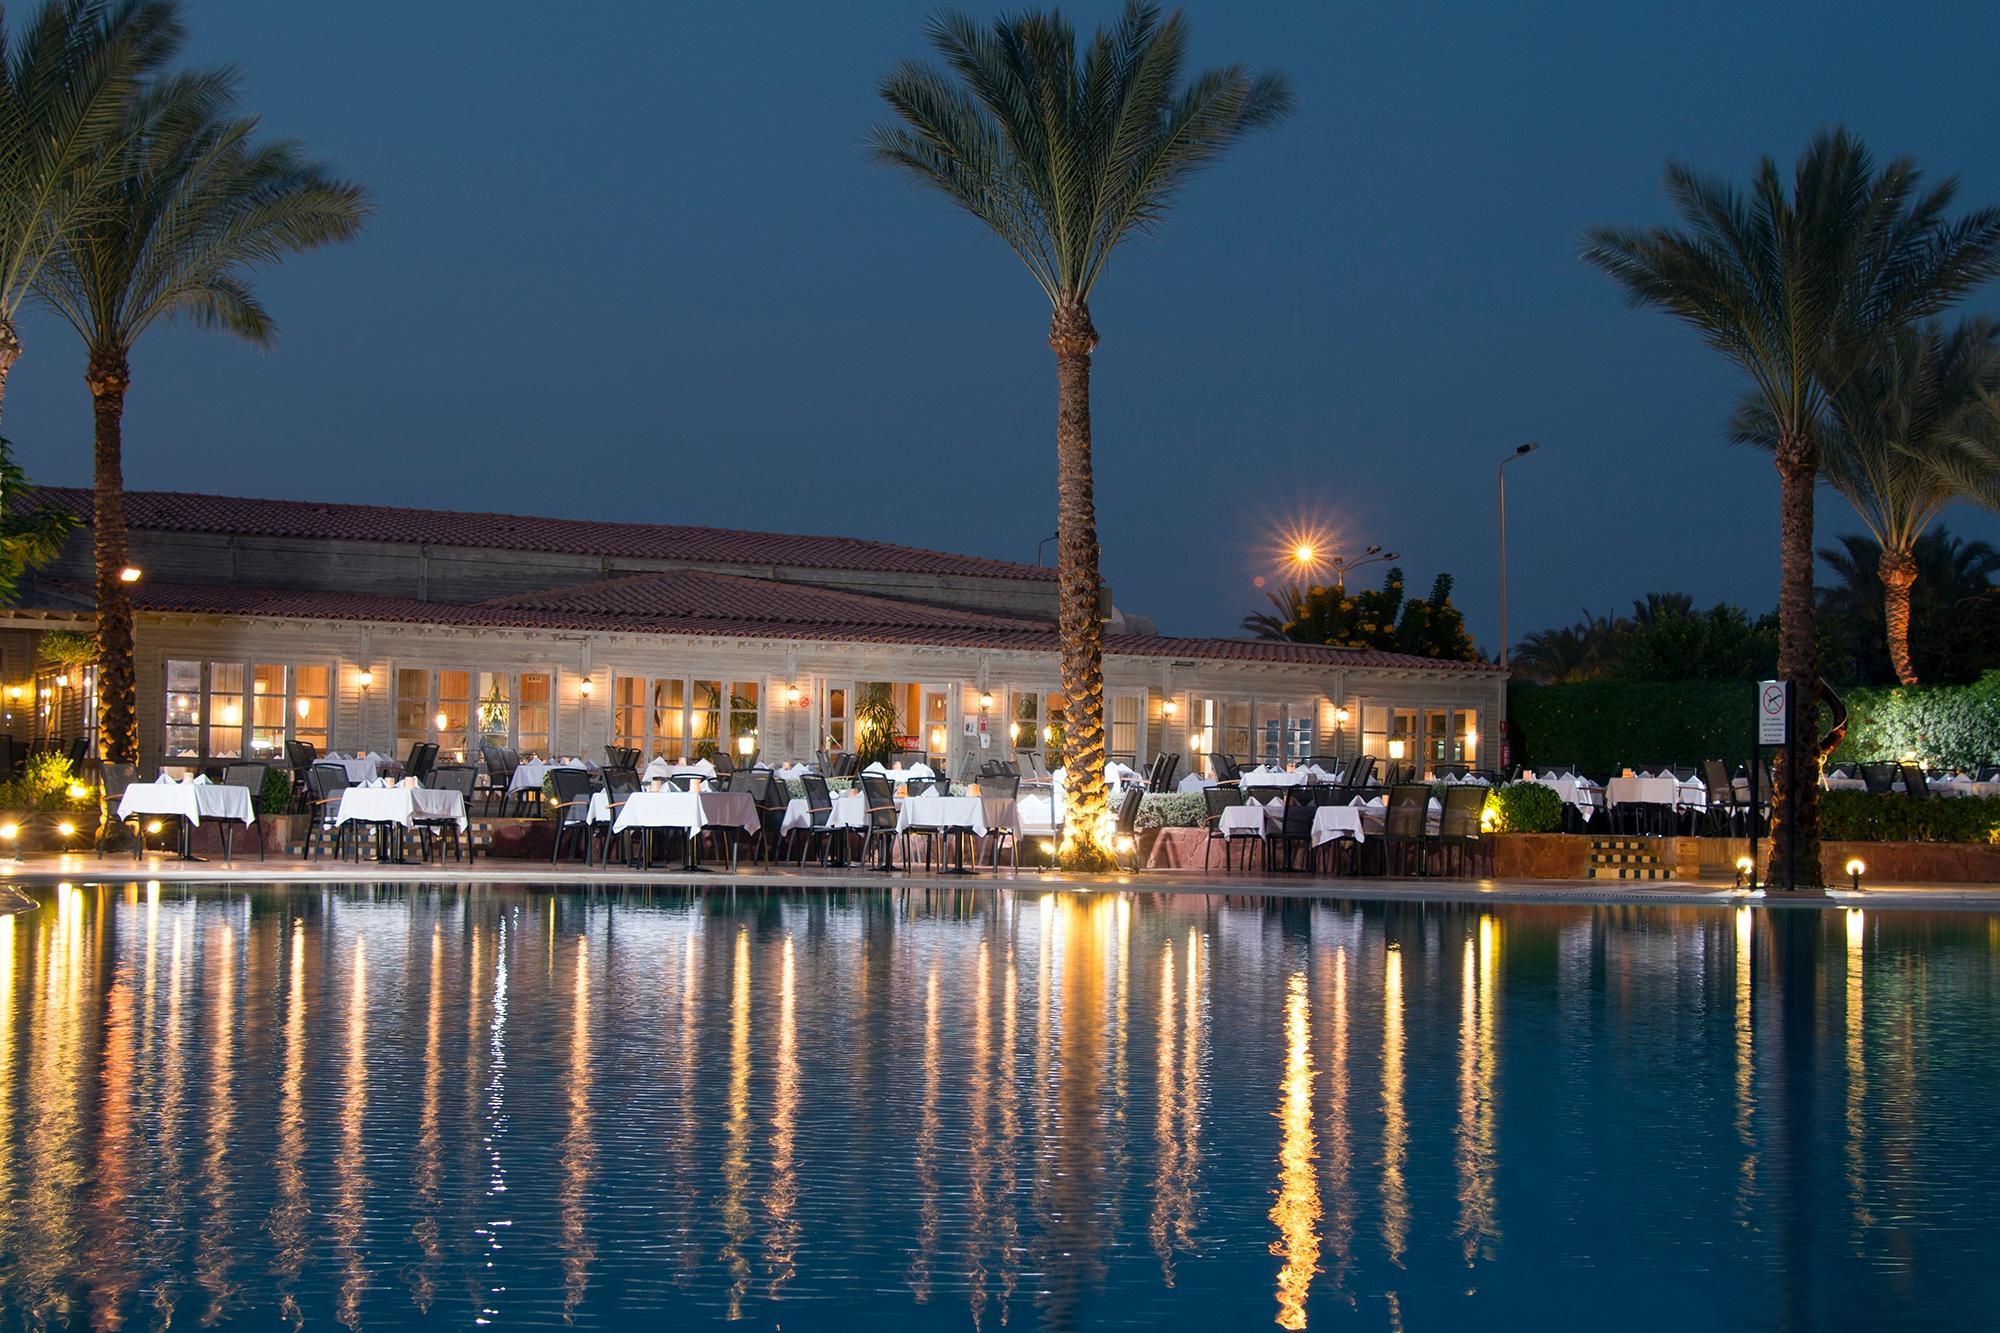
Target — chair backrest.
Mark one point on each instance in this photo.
(1225, 768)
(452, 777)
(498, 769)
(1128, 812)
(326, 781)
(1914, 781)
(414, 764)
(301, 755)
(620, 783)
(1300, 803)
(1218, 799)
(741, 780)
(572, 794)
(1987, 773)
(1462, 806)
(1409, 807)
(1361, 772)
(818, 797)
(1171, 771)
(1450, 770)
(77, 750)
(880, 796)
(1715, 777)
(1000, 784)
(116, 778)
(773, 793)
(724, 765)
(250, 776)
(1880, 777)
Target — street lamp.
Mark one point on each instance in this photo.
(1522, 452)
(1342, 565)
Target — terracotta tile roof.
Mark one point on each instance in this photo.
(180, 511)
(709, 604)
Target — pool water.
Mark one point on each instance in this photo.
(372, 1107)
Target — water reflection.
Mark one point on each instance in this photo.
(262, 1108)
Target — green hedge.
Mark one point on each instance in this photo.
(1857, 816)
(1947, 726)
(1525, 807)
(1172, 809)
(1604, 726)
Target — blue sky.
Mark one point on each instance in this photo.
(630, 262)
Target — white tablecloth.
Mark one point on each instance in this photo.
(978, 813)
(192, 801)
(1955, 787)
(899, 774)
(690, 810)
(528, 774)
(1331, 822)
(1248, 820)
(361, 768)
(1655, 791)
(1194, 782)
(1272, 777)
(1037, 813)
(399, 805)
(849, 811)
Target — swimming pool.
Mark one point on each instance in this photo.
(269, 1106)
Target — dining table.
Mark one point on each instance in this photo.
(189, 802)
(396, 809)
(688, 811)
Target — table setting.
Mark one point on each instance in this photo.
(190, 802)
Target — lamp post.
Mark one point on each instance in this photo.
(1522, 452)
(1343, 565)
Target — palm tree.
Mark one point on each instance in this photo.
(1788, 280)
(1947, 571)
(1887, 446)
(195, 204)
(1064, 154)
(65, 82)
(1290, 608)
(1567, 654)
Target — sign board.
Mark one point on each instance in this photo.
(1773, 711)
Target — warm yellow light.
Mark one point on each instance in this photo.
(1471, 737)
(442, 720)
(259, 687)
(13, 691)
(1169, 708)
(745, 744)
(67, 829)
(129, 574)
(1125, 843)
(77, 791)
(1048, 735)
(232, 716)
(1744, 865)
(1014, 731)
(937, 740)
(583, 687)
(1048, 846)
(1304, 554)
(10, 831)
(1340, 716)
(1857, 867)
(792, 695)
(1396, 749)
(305, 707)
(62, 681)
(366, 678)
(985, 701)
(154, 826)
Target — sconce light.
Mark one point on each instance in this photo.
(1744, 868)
(366, 678)
(746, 743)
(793, 695)
(13, 691)
(442, 720)
(1169, 708)
(1340, 716)
(1396, 749)
(583, 687)
(985, 701)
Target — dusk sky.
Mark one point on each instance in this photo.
(631, 262)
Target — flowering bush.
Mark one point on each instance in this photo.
(1523, 807)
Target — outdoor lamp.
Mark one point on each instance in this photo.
(305, 707)
(67, 829)
(62, 681)
(366, 678)
(77, 791)
(1856, 869)
(1014, 731)
(1745, 867)
(1169, 708)
(985, 701)
(792, 695)
(1396, 749)
(745, 744)
(9, 832)
(583, 687)
(1340, 717)
(442, 720)
(129, 574)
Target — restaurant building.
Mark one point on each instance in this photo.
(366, 627)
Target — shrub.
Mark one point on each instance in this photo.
(67, 647)
(1524, 807)
(1946, 726)
(1858, 816)
(276, 795)
(1172, 809)
(44, 785)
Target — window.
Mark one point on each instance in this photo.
(413, 708)
(1299, 734)
(670, 717)
(704, 731)
(267, 711)
(1437, 737)
(493, 716)
(628, 712)
(312, 704)
(836, 718)
(225, 709)
(1125, 728)
(1235, 736)
(1025, 729)
(742, 715)
(183, 708)
(1403, 737)
(531, 715)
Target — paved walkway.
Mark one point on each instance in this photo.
(42, 870)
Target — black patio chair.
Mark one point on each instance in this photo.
(1880, 777)
(1459, 831)
(1406, 828)
(571, 812)
(250, 777)
(880, 800)
(325, 784)
(1295, 825)
(1217, 799)
(447, 777)
(301, 755)
(1914, 780)
(819, 816)
(1125, 828)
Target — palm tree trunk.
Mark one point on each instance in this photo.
(1899, 571)
(117, 692)
(10, 352)
(1798, 662)
(1080, 630)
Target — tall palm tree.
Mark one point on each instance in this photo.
(1787, 280)
(1894, 427)
(1569, 653)
(66, 79)
(1064, 154)
(195, 205)
(1948, 570)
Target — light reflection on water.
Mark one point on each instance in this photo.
(984, 1108)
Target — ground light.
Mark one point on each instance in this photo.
(1856, 869)
(1745, 867)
